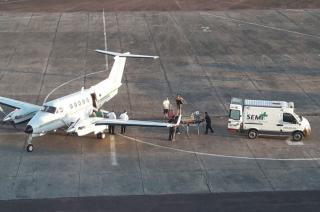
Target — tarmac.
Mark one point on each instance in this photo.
(207, 57)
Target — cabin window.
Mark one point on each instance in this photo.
(60, 109)
(83, 101)
(71, 106)
(75, 104)
(234, 114)
(79, 103)
(49, 109)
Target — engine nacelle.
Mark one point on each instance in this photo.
(19, 115)
(87, 126)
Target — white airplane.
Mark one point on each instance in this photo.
(75, 111)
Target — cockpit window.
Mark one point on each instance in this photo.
(49, 109)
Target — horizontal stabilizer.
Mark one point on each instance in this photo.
(127, 54)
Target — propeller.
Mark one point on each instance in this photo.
(2, 111)
(7, 118)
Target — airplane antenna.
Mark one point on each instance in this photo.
(105, 38)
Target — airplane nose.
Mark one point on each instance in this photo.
(29, 129)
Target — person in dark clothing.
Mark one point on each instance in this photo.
(111, 129)
(208, 122)
(179, 101)
(171, 129)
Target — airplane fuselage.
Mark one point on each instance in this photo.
(65, 111)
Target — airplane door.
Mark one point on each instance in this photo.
(94, 100)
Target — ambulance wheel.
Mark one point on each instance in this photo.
(297, 136)
(252, 134)
(29, 148)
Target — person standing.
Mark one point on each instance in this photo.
(208, 122)
(197, 120)
(166, 107)
(171, 129)
(124, 116)
(179, 101)
(111, 115)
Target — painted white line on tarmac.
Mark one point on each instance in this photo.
(261, 25)
(218, 155)
(113, 151)
(294, 143)
(12, 133)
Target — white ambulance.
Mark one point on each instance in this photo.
(262, 117)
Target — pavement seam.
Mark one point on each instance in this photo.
(158, 53)
(80, 169)
(204, 171)
(245, 72)
(86, 55)
(49, 56)
(141, 174)
(288, 74)
(124, 73)
(195, 59)
(3, 73)
(261, 25)
(260, 167)
(23, 146)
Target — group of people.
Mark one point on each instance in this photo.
(169, 115)
(168, 109)
(123, 116)
(173, 117)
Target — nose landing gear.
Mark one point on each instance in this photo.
(29, 142)
(29, 148)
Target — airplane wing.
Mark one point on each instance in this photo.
(133, 123)
(18, 104)
(23, 112)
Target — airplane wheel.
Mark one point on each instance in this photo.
(29, 148)
(99, 136)
(103, 135)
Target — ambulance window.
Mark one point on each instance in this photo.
(60, 109)
(234, 114)
(287, 117)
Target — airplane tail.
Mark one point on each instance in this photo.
(119, 62)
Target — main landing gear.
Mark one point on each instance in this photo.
(101, 135)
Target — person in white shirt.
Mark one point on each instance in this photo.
(111, 115)
(166, 106)
(124, 116)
